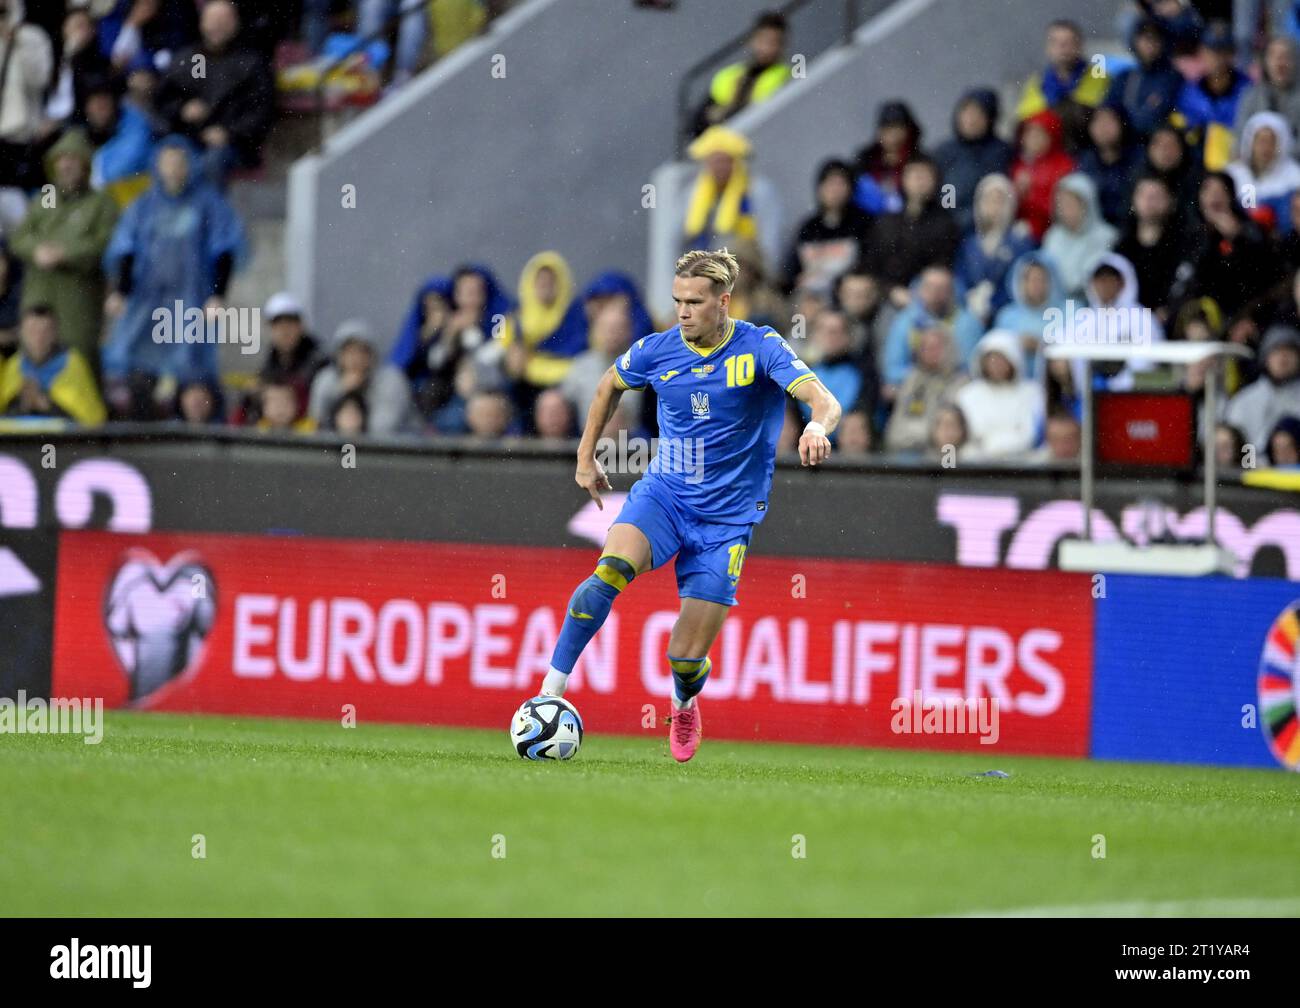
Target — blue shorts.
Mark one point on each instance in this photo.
(709, 554)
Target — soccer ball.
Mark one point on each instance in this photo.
(546, 728)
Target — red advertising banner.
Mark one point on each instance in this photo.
(839, 652)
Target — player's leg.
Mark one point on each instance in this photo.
(626, 554)
(641, 538)
(708, 570)
(697, 627)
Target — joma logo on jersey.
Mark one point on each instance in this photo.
(700, 404)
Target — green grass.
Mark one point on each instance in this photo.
(312, 818)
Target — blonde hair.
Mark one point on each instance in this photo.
(719, 266)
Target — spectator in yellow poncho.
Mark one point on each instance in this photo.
(727, 203)
(545, 292)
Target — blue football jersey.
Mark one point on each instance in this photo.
(720, 415)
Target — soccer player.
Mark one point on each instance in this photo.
(721, 385)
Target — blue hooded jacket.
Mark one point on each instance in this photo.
(962, 163)
(496, 305)
(571, 337)
(175, 241)
(1147, 94)
(1018, 317)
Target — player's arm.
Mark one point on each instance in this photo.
(591, 475)
(814, 446)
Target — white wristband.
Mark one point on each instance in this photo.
(813, 427)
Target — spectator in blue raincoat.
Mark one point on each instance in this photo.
(174, 249)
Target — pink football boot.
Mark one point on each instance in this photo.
(684, 730)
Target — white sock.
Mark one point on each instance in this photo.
(680, 704)
(554, 682)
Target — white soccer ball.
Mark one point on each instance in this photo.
(546, 728)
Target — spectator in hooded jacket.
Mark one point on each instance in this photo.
(727, 200)
(1040, 163)
(1257, 408)
(1154, 243)
(1278, 89)
(833, 238)
(228, 110)
(1112, 315)
(1209, 103)
(355, 369)
(1078, 234)
(542, 353)
(995, 241)
(466, 315)
(1148, 91)
(62, 242)
(1110, 160)
(881, 162)
(934, 303)
(1265, 172)
(923, 233)
(179, 243)
(1033, 290)
(1068, 85)
(1004, 410)
(573, 335)
(973, 151)
(927, 385)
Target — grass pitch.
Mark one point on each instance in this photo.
(309, 818)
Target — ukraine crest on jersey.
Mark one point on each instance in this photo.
(720, 414)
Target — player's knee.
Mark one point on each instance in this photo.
(611, 576)
(615, 571)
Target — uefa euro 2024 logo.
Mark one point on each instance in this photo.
(1279, 687)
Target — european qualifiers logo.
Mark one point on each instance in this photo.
(1279, 687)
(157, 616)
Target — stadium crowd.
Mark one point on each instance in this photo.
(1157, 191)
